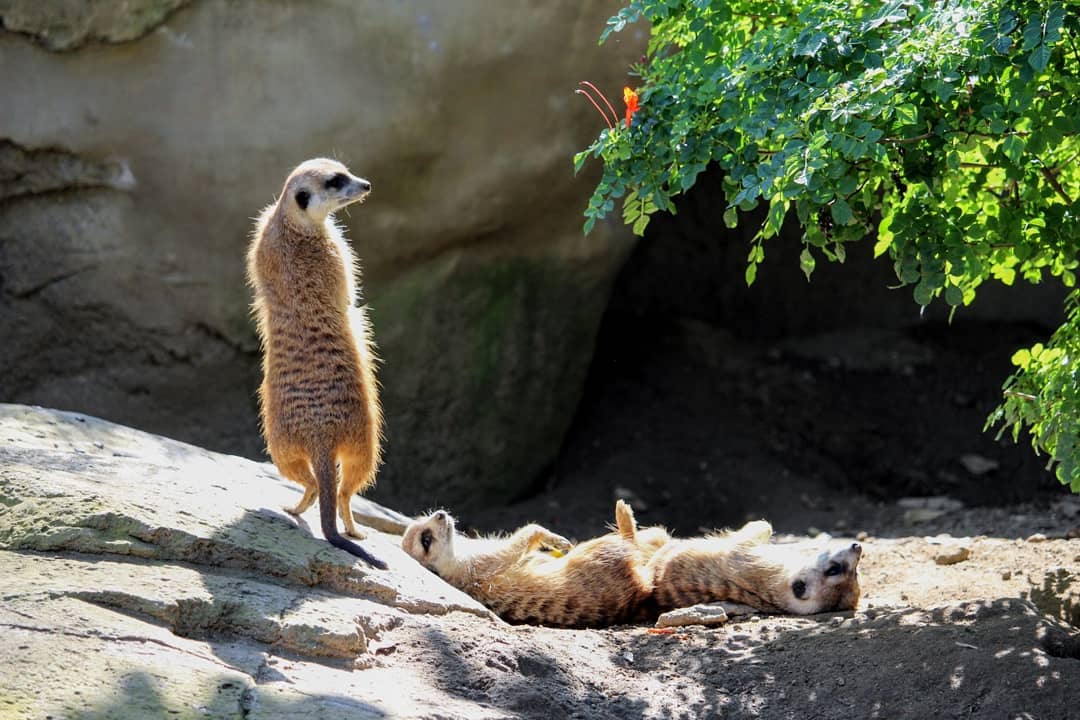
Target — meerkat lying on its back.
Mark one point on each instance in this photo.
(744, 567)
(598, 582)
(318, 400)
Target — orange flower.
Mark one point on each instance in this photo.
(631, 99)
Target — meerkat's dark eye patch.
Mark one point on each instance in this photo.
(426, 538)
(798, 589)
(302, 199)
(835, 569)
(337, 182)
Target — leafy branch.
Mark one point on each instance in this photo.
(944, 132)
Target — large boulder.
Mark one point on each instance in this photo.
(137, 146)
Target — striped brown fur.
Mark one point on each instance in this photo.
(598, 582)
(744, 567)
(319, 399)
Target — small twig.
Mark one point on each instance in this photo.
(903, 141)
(1057, 170)
(993, 246)
(1055, 184)
(1022, 396)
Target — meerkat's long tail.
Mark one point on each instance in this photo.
(326, 475)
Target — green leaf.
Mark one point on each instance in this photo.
(807, 262)
(1055, 18)
(811, 44)
(1040, 58)
(775, 219)
(881, 245)
(751, 274)
(1033, 32)
(731, 217)
(640, 224)
(579, 160)
(954, 295)
(1013, 147)
(841, 212)
(907, 114)
(923, 293)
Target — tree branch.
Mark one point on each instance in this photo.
(1054, 182)
(902, 141)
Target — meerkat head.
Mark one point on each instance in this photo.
(430, 540)
(317, 188)
(827, 583)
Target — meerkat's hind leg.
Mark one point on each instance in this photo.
(647, 541)
(299, 471)
(357, 473)
(624, 521)
(757, 532)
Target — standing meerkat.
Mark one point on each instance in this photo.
(744, 567)
(318, 400)
(598, 582)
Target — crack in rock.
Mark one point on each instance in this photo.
(26, 171)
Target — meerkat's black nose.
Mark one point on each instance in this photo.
(440, 515)
(856, 547)
(364, 185)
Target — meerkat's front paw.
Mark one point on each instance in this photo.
(557, 542)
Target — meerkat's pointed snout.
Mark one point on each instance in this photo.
(356, 189)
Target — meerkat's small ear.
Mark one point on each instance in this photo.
(302, 199)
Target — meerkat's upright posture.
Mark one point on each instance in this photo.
(598, 582)
(744, 567)
(319, 402)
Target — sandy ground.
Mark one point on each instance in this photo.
(859, 434)
(984, 637)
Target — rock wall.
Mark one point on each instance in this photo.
(136, 146)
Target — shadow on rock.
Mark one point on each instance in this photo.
(142, 695)
(525, 679)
